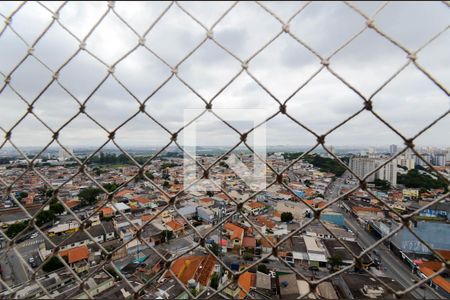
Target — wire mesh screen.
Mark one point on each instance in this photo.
(180, 256)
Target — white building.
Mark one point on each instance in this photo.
(440, 159)
(393, 149)
(362, 166)
(63, 155)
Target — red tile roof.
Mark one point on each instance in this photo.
(249, 242)
(174, 225)
(237, 232)
(194, 267)
(141, 200)
(76, 254)
(264, 221)
(123, 193)
(438, 280)
(246, 281)
(254, 205)
(365, 208)
(107, 211)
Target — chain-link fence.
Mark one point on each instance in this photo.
(168, 264)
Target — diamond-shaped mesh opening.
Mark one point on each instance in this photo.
(115, 218)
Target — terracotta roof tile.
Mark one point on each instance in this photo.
(76, 254)
(246, 281)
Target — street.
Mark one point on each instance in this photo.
(394, 267)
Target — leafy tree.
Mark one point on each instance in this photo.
(166, 184)
(52, 265)
(215, 248)
(149, 175)
(307, 182)
(415, 179)
(247, 256)
(23, 195)
(215, 281)
(335, 261)
(210, 193)
(263, 268)
(45, 216)
(57, 208)
(167, 235)
(88, 196)
(286, 217)
(383, 185)
(15, 229)
(325, 164)
(111, 187)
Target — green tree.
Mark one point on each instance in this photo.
(247, 256)
(167, 235)
(44, 217)
(335, 261)
(383, 185)
(57, 208)
(166, 184)
(52, 265)
(149, 175)
(286, 217)
(14, 229)
(215, 281)
(23, 195)
(88, 196)
(263, 268)
(415, 179)
(215, 248)
(111, 187)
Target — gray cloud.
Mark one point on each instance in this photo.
(409, 102)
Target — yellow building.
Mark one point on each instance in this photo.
(410, 193)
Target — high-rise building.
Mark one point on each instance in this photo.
(426, 157)
(404, 161)
(362, 166)
(440, 159)
(63, 155)
(392, 149)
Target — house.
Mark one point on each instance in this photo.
(197, 267)
(205, 214)
(316, 253)
(77, 258)
(206, 202)
(101, 233)
(235, 233)
(246, 282)
(248, 245)
(107, 212)
(288, 286)
(410, 193)
(367, 212)
(176, 227)
(266, 248)
(254, 207)
(269, 224)
(143, 202)
(363, 286)
(428, 269)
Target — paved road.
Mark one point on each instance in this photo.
(395, 268)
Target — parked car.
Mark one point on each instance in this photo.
(34, 235)
(32, 262)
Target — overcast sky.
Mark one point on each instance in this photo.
(409, 102)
